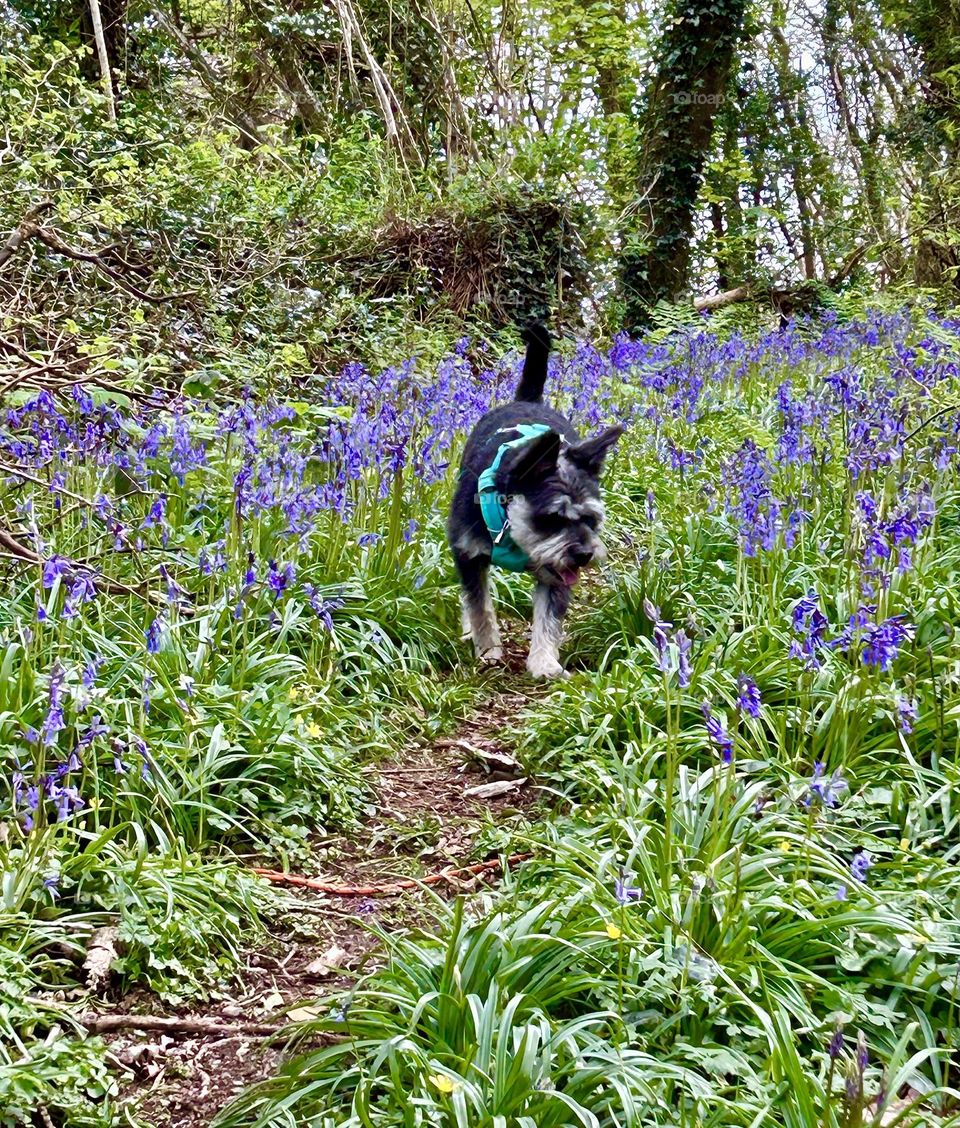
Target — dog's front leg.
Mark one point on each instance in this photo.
(478, 613)
(549, 606)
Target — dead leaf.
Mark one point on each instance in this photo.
(101, 952)
(272, 1001)
(497, 762)
(331, 960)
(493, 790)
(303, 1014)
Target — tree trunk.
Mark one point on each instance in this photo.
(104, 59)
(934, 26)
(788, 86)
(695, 57)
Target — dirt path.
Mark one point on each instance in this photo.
(426, 821)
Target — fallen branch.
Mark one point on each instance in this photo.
(55, 243)
(718, 301)
(26, 229)
(389, 889)
(29, 228)
(105, 1023)
(111, 587)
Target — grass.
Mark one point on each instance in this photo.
(744, 910)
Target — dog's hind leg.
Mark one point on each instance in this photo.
(549, 606)
(479, 617)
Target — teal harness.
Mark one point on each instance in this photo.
(493, 505)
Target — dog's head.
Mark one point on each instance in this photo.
(555, 511)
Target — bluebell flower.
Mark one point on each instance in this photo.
(156, 514)
(120, 766)
(859, 865)
(95, 729)
(89, 677)
(53, 568)
(683, 658)
(906, 714)
(624, 892)
(54, 722)
(278, 578)
(82, 590)
(825, 790)
(140, 745)
(367, 539)
(810, 624)
(882, 641)
(717, 731)
(321, 606)
(748, 699)
(154, 635)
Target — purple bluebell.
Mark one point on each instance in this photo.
(323, 607)
(95, 729)
(683, 644)
(882, 641)
(154, 635)
(824, 789)
(278, 579)
(717, 731)
(748, 698)
(53, 569)
(906, 714)
(624, 892)
(810, 624)
(89, 677)
(54, 722)
(859, 865)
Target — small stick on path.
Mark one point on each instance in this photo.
(390, 888)
(104, 1023)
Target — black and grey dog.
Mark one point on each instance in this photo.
(528, 499)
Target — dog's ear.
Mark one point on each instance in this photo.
(589, 455)
(531, 462)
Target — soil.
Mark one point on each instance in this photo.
(425, 822)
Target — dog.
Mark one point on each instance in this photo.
(528, 499)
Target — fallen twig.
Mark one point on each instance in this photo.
(388, 889)
(112, 587)
(105, 1023)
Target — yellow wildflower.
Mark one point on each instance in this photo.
(612, 931)
(439, 1081)
(314, 730)
(293, 693)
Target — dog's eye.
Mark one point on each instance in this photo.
(591, 522)
(552, 523)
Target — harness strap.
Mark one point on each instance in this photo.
(493, 504)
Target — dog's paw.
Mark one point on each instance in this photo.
(545, 668)
(492, 656)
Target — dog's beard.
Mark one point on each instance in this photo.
(550, 556)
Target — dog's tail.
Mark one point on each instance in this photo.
(534, 374)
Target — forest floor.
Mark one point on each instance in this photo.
(426, 821)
